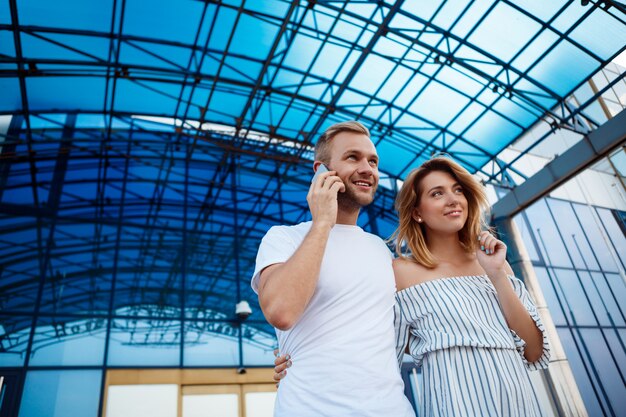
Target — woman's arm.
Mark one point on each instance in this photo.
(492, 259)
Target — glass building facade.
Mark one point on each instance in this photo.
(579, 253)
(145, 151)
(61, 330)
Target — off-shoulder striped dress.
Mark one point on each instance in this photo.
(472, 363)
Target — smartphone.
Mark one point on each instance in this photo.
(321, 169)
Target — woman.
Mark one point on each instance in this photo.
(469, 324)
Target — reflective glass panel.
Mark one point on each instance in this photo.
(260, 404)
(552, 248)
(527, 237)
(19, 271)
(609, 303)
(550, 288)
(68, 341)
(582, 371)
(574, 236)
(155, 400)
(224, 405)
(61, 394)
(606, 366)
(575, 298)
(592, 229)
(211, 344)
(504, 32)
(14, 336)
(259, 342)
(144, 342)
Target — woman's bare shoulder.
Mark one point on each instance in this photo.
(408, 273)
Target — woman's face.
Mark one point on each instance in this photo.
(443, 206)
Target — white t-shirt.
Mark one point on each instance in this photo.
(343, 346)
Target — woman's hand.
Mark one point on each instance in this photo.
(491, 254)
(281, 363)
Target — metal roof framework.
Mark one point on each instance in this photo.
(149, 149)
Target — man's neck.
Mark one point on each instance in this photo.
(348, 217)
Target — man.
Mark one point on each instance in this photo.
(328, 289)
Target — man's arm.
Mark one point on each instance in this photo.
(285, 289)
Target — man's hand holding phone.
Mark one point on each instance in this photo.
(320, 170)
(322, 196)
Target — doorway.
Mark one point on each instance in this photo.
(10, 388)
(189, 393)
(247, 400)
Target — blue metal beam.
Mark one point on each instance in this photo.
(589, 150)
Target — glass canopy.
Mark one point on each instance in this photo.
(147, 147)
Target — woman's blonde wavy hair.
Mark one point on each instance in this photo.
(410, 236)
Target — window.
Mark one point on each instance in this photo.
(190, 393)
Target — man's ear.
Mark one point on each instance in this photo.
(316, 165)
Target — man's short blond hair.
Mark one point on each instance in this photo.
(322, 147)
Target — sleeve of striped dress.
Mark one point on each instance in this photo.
(520, 344)
(402, 331)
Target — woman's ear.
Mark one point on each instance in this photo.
(416, 215)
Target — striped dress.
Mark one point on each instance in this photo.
(472, 363)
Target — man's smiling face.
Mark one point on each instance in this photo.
(354, 157)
